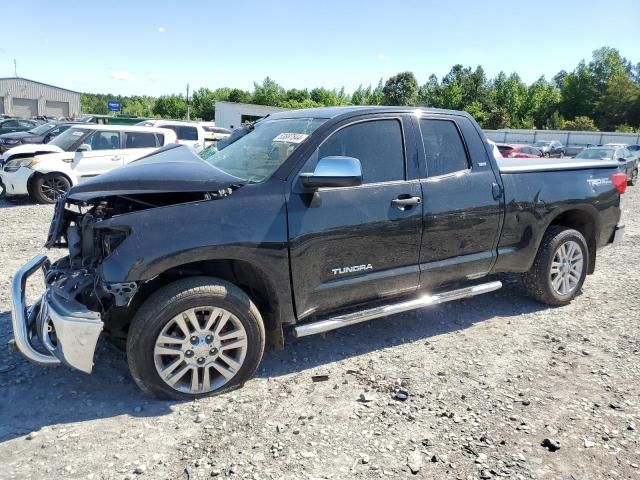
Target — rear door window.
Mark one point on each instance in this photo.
(443, 148)
(184, 132)
(140, 140)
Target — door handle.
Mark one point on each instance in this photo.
(116, 158)
(405, 201)
(496, 190)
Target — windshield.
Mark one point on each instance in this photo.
(70, 138)
(596, 153)
(257, 155)
(42, 129)
(542, 144)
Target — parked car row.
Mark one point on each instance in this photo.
(43, 133)
(628, 160)
(45, 172)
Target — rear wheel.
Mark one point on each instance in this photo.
(48, 188)
(196, 337)
(560, 267)
(634, 178)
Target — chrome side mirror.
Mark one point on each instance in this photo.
(334, 172)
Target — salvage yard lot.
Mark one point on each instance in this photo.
(488, 379)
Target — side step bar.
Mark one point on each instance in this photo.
(322, 326)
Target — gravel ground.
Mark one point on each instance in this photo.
(495, 384)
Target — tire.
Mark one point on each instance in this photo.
(547, 155)
(539, 280)
(632, 181)
(48, 188)
(3, 190)
(561, 154)
(164, 315)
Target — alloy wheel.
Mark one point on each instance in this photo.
(200, 350)
(566, 268)
(53, 187)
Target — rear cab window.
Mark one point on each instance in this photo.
(183, 132)
(444, 149)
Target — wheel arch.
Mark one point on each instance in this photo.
(37, 174)
(586, 222)
(246, 275)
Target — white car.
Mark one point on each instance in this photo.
(82, 152)
(213, 133)
(189, 133)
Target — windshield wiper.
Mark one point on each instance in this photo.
(238, 133)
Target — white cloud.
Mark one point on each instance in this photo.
(382, 56)
(122, 75)
(161, 29)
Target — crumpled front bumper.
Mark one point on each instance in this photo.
(67, 331)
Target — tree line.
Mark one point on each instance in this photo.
(602, 94)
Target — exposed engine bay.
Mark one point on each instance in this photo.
(79, 226)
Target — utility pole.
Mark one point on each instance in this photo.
(188, 112)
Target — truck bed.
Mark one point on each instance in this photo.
(523, 165)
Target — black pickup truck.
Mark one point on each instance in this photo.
(309, 220)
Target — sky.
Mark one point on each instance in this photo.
(142, 47)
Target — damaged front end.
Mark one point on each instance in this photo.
(64, 325)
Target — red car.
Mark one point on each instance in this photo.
(519, 151)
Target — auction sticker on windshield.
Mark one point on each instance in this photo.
(291, 137)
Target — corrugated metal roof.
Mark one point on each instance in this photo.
(40, 83)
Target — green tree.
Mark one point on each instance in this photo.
(171, 106)
(555, 121)
(509, 95)
(401, 89)
(497, 118)
(478, 112)
(329, 98)
(138, 106)
(268, 93)
(616, 106)
(625, 128)
(377, 95)
(239, 96)
(542, 99)
(581, 124)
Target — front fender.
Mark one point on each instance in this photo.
(250, 225)
(46, 166)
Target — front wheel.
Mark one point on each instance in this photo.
(193, 338)
(48, 188)
(560, 267)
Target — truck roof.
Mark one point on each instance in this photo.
(353, 110)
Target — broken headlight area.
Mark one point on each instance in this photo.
(76, 222)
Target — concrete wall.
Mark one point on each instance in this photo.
(229, 114)
(578, 139)
(11, 88)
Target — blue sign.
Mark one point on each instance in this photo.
(113, 106)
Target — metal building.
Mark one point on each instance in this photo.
(231, 115)
(26, 98)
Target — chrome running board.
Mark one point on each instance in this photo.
(322, 326)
